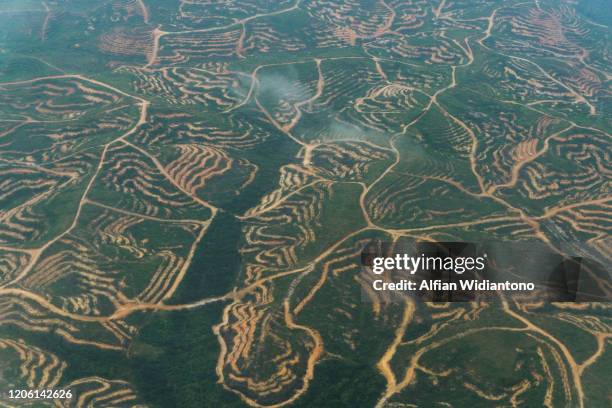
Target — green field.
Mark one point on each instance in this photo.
(187, 186)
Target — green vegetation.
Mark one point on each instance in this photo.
(187, 187)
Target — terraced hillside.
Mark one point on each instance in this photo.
(186, 187)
